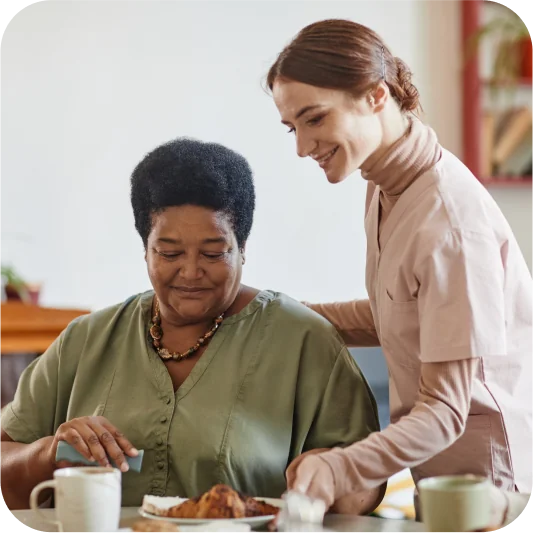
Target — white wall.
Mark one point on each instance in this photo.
(515, 204)
(89, 87)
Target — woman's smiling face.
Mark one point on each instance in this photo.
(338, 131)
(194, 262)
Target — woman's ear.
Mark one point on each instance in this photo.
(377, 98)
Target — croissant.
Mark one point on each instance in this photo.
(221, 501)
(153, 525)
(259, 508)
(187, 509)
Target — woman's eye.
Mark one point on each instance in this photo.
(292, 130)
(315, 120)
(169, 255)
(214, 255)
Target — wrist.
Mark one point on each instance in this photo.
(338, 493)
(45, 456)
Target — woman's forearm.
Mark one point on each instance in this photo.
(23, 467)
(436, 421)
(359, 503)
(353, 320)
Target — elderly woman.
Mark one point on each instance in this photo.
(218, 382)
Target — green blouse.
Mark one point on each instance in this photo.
(276, 380)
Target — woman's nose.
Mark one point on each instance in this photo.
(303, 146)
(190, 269)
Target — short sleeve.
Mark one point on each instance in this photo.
(347, 412)
(31, 414)
(461, 304)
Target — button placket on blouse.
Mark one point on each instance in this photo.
(159, 481)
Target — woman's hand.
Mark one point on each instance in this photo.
(290, 473)
(312, 476)
(96, 439)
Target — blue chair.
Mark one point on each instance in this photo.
(372, 363)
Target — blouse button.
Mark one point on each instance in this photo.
(163, 419)
(161, 465)
(159, 441)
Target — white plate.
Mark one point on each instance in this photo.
(253, 521)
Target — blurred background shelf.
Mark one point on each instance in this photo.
(507, 181)
(521, 82)
(497, 88)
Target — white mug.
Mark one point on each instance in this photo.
(86, 498)
(455, 503)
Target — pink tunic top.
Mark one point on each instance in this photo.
(448, 287)
(475, 301)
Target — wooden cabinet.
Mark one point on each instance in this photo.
(30, 328)
(27, 331)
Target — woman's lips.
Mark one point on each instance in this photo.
(324, 161)
(190, 292)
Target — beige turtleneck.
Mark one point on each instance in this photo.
(415, 152)
(439, 415)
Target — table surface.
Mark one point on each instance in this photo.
(331, 523)
(33, 523)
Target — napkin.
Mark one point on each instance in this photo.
(301, 513)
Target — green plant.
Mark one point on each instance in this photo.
(13, 280)
(506, 32)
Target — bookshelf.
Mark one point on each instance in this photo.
(519, 82)
(482, 102)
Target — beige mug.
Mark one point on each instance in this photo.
(86, 498)
(455, 503)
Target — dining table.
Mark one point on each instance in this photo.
(32, 522)
(332, 522)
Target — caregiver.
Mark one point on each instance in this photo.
(449, 290)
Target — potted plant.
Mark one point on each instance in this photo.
(15, 288)
(512, 48)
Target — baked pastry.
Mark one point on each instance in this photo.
(154, 526)
(187, 509)
(221, 501)
(259, 508)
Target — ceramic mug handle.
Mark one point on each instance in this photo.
(34, 504)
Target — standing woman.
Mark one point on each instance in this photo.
(449, 290)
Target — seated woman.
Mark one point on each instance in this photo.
(218, 382)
